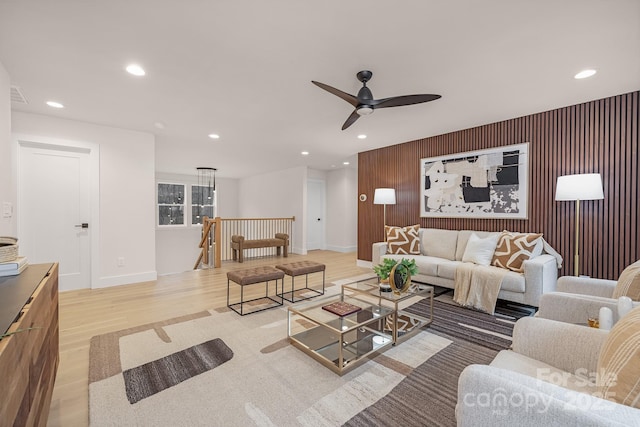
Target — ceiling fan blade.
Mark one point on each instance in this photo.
(347, 97)
(397, 101)
(351, 120)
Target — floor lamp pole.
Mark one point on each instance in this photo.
(385, 221)
(576, 257)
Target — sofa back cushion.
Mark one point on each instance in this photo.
(513, 249)
(463, 238)
(619, 361)
(403, 240)
(629, 283)
(438, 243)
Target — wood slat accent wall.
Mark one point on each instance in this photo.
(599, 136)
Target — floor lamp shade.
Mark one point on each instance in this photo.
(584, 186)
(384, 196)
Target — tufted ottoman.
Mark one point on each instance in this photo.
(299, 268)
(252, 276)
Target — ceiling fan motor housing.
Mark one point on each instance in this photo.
(364, 103)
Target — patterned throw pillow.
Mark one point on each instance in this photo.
(403, 240)
(515, 248)
(629, 283)
(619, 361)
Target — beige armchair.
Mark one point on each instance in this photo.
(549, 377)
(579, 298)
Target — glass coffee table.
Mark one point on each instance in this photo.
(339, 342)
(400, 321)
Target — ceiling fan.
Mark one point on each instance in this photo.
(365, 104)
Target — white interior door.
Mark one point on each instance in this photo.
(315, 214)
(53, 206)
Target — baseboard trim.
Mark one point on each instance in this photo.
(126, 279)
(363, 263)
(343, 249)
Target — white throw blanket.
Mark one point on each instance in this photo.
(477, 286)
(549, 250)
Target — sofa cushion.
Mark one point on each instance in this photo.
(619, 361)
(439, 243)
(480, 250)
(511, 281)
(515, 248)
(629, 283)
(427, 265)
(447, 269)
(403, 240)
(463, 237)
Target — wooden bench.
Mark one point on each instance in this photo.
(239, 244)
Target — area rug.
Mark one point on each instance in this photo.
(215, 368)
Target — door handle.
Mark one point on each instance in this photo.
(83, 225)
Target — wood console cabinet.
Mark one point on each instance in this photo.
(29, 358)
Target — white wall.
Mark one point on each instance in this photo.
(342, 210)
(284, 193)
(8, 189)
(127, 192)
(277, 195)
(177, 247)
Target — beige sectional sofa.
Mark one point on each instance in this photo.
(441, 252)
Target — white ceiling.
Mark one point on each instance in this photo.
(243, 69)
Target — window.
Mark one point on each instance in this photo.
(203, 201)
(171, 204)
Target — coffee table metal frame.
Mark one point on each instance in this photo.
(371, 287)
(339, 342)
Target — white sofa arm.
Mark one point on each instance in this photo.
(379, 249)
(575, 308)
(489, 396)
(586, 286)
(561, 345)
(540, 276)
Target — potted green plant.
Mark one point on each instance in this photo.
(383, 270)
(397, 273)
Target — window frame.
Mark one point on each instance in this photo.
(213, 204)
(183, 205)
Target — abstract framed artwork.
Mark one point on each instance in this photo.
(488, 183)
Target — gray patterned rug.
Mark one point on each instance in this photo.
(216, 368)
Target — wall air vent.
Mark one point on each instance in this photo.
(17, 96)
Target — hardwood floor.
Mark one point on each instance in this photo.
(86, 313)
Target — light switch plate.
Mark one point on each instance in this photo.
(7, 209)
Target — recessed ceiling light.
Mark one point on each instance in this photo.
(362, 136)
(345, 163)
(584, 74)
(135, 69)
(54, 104)
(305, 153)
(214, 136)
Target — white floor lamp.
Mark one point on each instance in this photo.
(384, 196)
(584, 186)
